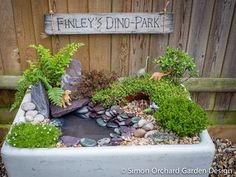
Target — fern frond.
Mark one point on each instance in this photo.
(55, 95)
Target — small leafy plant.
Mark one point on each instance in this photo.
(93, 81)
(157, 91)
(27, 135)
(177, 62)
(182, 116)
(49, 70)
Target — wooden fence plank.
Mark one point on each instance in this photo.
(198, 37)
(24, 30)
(80, 6)
(39, 8)
(229, 64)
(182, 15)
(139, 44)
(218, 36)
(120, 43)
(59, 6)
(199, 30)
(99, 45)
(158, 43)
(9, 63)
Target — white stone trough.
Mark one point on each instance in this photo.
(111, 161)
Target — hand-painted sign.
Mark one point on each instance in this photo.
(109, 23)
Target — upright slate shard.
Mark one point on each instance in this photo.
(72, 76)
(40, 98)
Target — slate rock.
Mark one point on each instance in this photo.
(93, 115)
(27, 106)
(40, 98)
(98, 108)
(135, 119)
(117, 131)
(125, 129)
(150, 133)
(112, 125)
(57, 111)
(70, 80)
(82, 110)
(126, 136)
(104, 141)
(70, 140)
(101, 122)
(124, 116)
(87, 142)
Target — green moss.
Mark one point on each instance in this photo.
(182, 116)
(158, 91)
(27, 135)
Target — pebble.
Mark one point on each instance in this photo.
(117, 131)
(29, 118)
(124, 116)
(70, 140)
(122, 123)
(120, 118)
(112, 125)
(31, 113)
(87, 142)
(128, 122)
(148, 126)
(142, 122)
(104, 141)
(114, 135)
(84, 116)
(101, 122)
(139, 133)
(135, 119)
(27, 106)
(101, 112)
(57, 122)
(38, 118)
(107, 113)
(82, 110)
(150, 133)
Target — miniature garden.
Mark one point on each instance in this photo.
(73, 108)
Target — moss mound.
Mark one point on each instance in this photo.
(182, 116)
(158, 91)
(27, 135)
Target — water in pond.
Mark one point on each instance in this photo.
(83, 128)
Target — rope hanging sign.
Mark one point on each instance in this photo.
(108, 23)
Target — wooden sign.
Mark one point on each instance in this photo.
(108, 23)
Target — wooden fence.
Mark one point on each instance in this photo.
(206, 29)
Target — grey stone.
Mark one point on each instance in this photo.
(101, 122)
(70, 80)
(70, 140)
(112, 125)
(27, 106)
(29, 118)
(150, 133)
(82, 110)
(135, 125)
(135, 119)
(38, 118)
(40, 98)
(57, 111)
(98, 108)
(117, 131)
(125, 129)
(139, 133)
(87, 142)
(124, 116)
(101, 112)
(114, 135)
(31, 113)
(57, 122)
(142, 122)
(148, 126)
(122, 123)
(104, 141)
(126, 136)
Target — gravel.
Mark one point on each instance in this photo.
(224, 164)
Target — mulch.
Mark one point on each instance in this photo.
(224, 163)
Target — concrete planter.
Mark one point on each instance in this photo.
(114, 161)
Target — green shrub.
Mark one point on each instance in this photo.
(182, 116)
(178, 62)
(49, 70)
(158, 91)
(27, 135)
